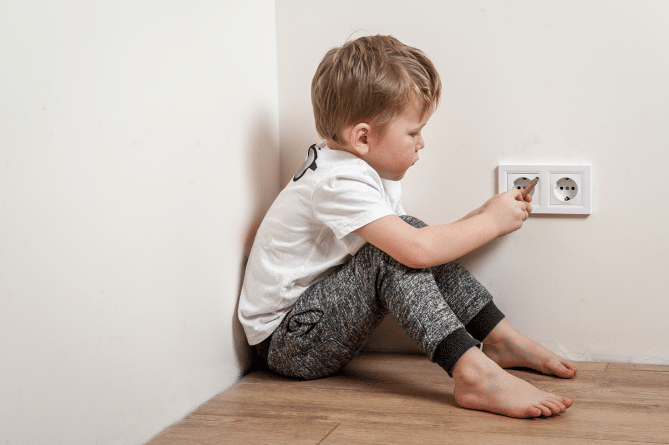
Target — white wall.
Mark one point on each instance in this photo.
(138, 149)
(577, 81)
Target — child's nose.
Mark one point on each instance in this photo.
(421, 143)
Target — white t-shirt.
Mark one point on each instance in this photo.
(308, 231)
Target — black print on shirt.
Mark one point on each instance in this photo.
(310, 163)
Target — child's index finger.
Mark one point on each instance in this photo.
(530, 186)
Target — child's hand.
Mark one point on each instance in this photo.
(509, 210)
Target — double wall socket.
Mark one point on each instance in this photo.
(562, 189)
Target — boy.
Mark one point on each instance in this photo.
(336, 251)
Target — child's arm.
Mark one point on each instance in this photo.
(433, 245)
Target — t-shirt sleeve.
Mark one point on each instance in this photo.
(349, 200)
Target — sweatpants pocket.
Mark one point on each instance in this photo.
(322, 360)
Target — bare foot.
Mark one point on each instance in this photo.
(509, 348)
(482, 385)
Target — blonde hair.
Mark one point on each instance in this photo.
(370, 79)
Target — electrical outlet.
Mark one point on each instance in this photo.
(562, 188)
(566, 189)
(520, 181)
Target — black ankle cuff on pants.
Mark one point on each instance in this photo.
(485, 321)
(452, 348)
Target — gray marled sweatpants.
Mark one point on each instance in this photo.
(444, 309)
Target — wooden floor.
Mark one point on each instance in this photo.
(405, 399)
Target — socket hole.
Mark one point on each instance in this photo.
(566, 189)
(521, 183)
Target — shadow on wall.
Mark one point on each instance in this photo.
(263, 175)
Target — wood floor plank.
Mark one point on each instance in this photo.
(631, 367)
(365, 433)
(214, 430)
(396, 397)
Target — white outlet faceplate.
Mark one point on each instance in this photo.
(562, 189)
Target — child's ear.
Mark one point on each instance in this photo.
(359, 138)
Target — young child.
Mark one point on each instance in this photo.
(336, 251)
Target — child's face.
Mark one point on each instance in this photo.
(392, 153)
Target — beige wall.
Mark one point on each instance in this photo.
(529, 82)
(138, 148)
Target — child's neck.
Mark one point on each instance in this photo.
(337, 146)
